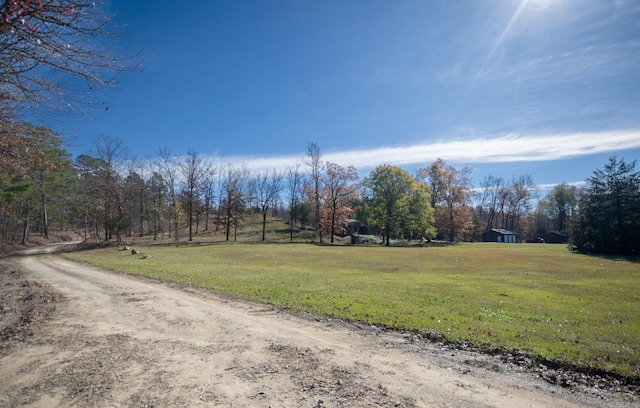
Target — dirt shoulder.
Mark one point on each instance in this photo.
(72, 335)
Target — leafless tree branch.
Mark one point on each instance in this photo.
(54, 53)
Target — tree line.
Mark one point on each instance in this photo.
(109, 195)
(55, 54)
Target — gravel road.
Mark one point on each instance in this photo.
(94, 338)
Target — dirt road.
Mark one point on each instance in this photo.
(120, 341)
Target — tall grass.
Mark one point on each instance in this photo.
(541, 299)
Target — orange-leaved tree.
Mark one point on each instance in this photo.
(450, 196)
(338, 192)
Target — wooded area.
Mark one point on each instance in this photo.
(108, 195)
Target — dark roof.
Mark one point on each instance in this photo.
(503, 231)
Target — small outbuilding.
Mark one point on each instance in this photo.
(353, 226)
(499, 235)
(556, 237)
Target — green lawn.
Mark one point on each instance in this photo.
(542, 299)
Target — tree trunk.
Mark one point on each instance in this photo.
(119, 225)
(141, 216)
(155, 224)
(490, 220)
(190, 219)
(228, 222)
(291, 210)
(25, 231)
(45, 219)
(318, 215)
(387, 233)
(106, 222)
(175, 232)
(333, 222)
(452, 231)
(264, 224)
(175, 221)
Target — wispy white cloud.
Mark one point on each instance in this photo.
(546, 187)
(501, 149)
(586, 63)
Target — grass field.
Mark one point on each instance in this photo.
(541, 299)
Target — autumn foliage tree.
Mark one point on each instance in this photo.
(450, 197)
(338, 192)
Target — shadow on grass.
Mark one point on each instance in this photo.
(611, 257)
(629, 258)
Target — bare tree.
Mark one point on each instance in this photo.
(233, 196)
(140, 179)
(54, 52)
(134, 195)
(294, 179)
(491, 189)
(312, 159)
(433, 176)
(88, 170)
(522, 191)
(157, 190)
(194, 169)
(505, 203)
(168, 168)
(208, 192)
(112, 154)
(267, 187)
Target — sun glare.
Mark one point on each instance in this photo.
(524, 7)
(537, 5)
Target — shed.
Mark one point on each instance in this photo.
(556, 237)
(353, 227)
(499, 235)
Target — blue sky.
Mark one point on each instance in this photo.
(549, 88)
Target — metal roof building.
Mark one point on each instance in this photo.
(499, 235)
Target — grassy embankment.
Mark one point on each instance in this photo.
(542, 299)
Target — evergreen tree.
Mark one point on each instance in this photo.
(609, 211)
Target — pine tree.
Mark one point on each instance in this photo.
(609, 211)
